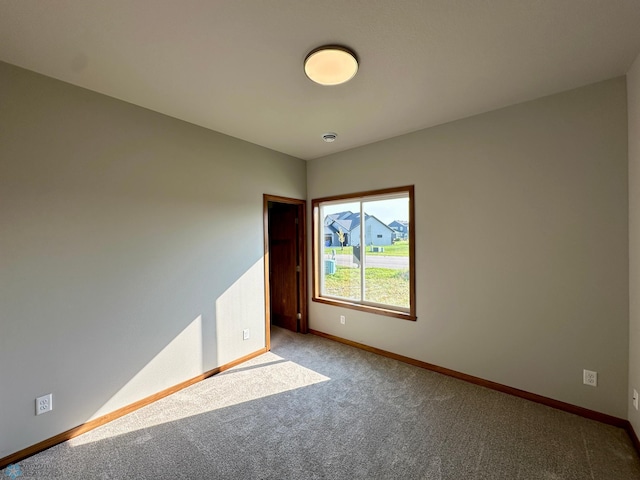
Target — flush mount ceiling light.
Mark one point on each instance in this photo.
(331, 65)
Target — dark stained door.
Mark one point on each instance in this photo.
(283, 263)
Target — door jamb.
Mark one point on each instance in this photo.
(302, 248)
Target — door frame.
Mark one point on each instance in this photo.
(303, 323)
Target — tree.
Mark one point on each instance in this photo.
(341, 238)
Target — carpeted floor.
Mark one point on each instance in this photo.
(315, 409)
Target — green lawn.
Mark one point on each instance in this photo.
(398, 249)
(339, 250)
(383, 285)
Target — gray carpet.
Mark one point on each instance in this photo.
(313, 409)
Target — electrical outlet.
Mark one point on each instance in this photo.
(590, 378)
(342, 319)
(635, 399)
(44, 404)
(245, 334)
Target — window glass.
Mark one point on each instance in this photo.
(363, 249)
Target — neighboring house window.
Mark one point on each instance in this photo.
(376, 274)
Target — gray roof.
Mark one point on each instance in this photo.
(347, 221)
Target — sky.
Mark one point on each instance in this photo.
(386, 210)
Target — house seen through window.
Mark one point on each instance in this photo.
(363, 246)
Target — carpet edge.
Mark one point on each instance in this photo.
(534, 397)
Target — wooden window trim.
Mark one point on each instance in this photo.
(316, 249)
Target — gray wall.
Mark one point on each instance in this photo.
(131, 250)
(521, 244)
(633, 95)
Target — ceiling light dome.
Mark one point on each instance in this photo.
(331, 65)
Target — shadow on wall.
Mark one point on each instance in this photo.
(211, 339)
(186, 349)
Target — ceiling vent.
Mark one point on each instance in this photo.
(329, 137)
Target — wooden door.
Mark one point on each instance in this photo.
(283, 265)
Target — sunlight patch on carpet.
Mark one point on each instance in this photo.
(261, 377)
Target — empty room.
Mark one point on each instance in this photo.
(346, 239)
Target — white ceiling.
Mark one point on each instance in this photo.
(236, 66)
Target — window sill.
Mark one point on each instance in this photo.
(366, 308)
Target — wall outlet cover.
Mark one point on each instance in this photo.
(590, 378)
(44, 404)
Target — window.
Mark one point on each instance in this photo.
(376, 274)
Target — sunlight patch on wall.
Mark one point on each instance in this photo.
(180, 359)
(261, 377)
(239, 307)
